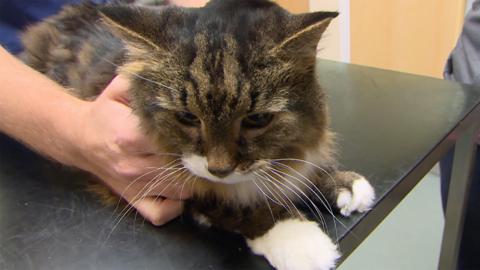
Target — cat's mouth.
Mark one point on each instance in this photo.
(197, 165)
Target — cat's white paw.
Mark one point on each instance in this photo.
(294, 244)
(359, 199)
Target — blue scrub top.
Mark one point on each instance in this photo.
(15, 15)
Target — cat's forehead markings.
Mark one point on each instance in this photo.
(216, 74)
(276, 104)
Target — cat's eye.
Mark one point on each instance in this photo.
(257, 120)
(188, 119)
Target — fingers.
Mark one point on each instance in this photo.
(160, 176)
(162, 184)
(173, 192)
(118, 89)
(189, 3)
(131, 139)
(141, 173)
(123, 157)
(129, 135)
(159, 211)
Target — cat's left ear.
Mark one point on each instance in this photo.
(136, 25)
(307, 30)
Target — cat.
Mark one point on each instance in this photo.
(230, 87)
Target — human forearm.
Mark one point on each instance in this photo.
(100, 136)
(188, 3)
(37, 111)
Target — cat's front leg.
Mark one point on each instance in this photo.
(288, 240)
(297, 243)
(294, 243)
(348, 191)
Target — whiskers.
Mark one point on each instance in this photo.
(284, 185)
(172, 175)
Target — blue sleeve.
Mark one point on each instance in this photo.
(15, 15)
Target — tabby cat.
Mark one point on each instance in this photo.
(231, 88)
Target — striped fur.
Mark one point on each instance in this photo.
(219, 64)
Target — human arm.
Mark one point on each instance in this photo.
(188, 3)
(98, 136)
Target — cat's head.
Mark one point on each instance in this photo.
(230, 87)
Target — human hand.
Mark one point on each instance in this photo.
(189, 3)
(114, 149)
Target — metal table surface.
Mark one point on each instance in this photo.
(392, 127)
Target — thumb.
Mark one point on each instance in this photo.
(158, 210)
(118, 89)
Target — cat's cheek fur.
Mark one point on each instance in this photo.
(295, 244)
(359, 199)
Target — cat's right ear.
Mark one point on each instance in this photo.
(135, 25)
(303, 36)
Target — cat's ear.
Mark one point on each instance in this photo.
(135, 25)
(306, 31)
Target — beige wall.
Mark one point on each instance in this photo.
(413, 36)
(294, 6)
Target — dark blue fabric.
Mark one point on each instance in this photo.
(15, 15)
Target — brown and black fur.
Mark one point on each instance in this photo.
(221, 62)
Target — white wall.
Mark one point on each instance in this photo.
(335, 44)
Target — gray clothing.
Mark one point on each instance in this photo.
(463, 65)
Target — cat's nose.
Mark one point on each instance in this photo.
(221, 171)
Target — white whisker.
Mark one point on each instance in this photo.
(130, 205)
(317, 192)
(317, 211)
(266, 201)
(261, 190)
(135, 200)
(309, 163)
(274, 182)
(155, 169)
(275, 194)
(139, 76)
(184, 183)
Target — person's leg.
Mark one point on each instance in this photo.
(470, 245)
